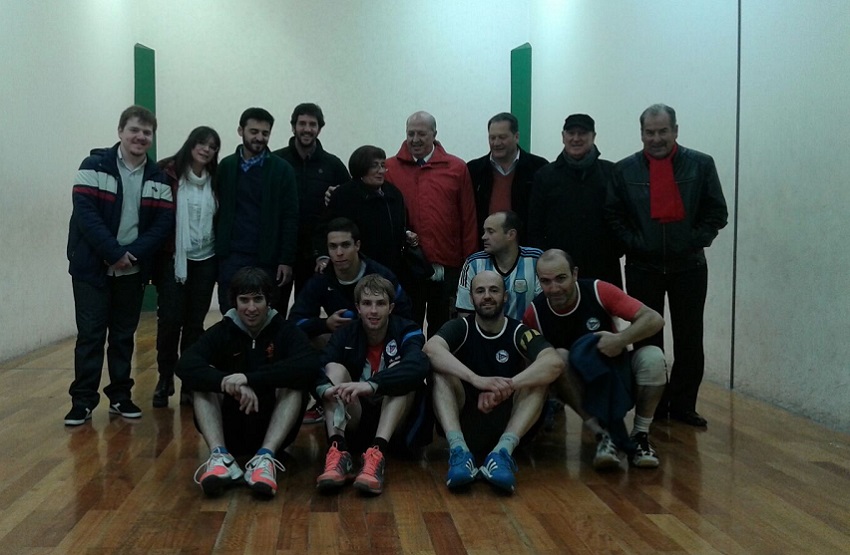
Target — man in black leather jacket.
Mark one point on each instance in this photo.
(666, 206)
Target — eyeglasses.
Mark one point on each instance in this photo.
(378, 165)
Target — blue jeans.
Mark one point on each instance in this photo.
(110, 312)
(181, 308)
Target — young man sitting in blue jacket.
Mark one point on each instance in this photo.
(373, 389)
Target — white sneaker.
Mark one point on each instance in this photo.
(220, 470)
(606, 453)
(261, 474)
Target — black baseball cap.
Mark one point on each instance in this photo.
(580, 120)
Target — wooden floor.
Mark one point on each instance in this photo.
(757, 481)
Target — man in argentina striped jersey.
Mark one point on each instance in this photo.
(503, 255)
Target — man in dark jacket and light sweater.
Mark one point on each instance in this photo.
(373, 388)
(249, 375)
(666, 206)
(123, 211)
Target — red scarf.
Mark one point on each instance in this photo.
(665, 201)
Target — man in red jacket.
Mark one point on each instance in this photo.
(438, 193)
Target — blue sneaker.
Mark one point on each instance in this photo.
(462, 468)
(499, 470)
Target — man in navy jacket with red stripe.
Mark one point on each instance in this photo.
(123, 211)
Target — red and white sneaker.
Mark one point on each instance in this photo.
(261, 474)
(371, 477)
(220, 471)
(339, 469)
(314, 414)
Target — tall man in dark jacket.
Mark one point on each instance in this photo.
(568, 204)
(503, 178)
(373, 388)
(316, 170)
(249, 375)
(666, 206)
(257, 221)
(123, 211)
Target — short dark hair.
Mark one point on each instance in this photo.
(505, 116)
(183, 159)
(657, 109)
(362, 158)
(308, 109)
(512, 221)
(141, 113)
(553, 254)
(374, 284)
(343, 225)
(252, 280)
(258, 114)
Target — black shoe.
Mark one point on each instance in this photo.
(164, 390)
(125, 408)
(77, 416)
(689, 417)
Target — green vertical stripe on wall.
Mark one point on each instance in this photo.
(145, 86)
(521, 92)
(144, 94)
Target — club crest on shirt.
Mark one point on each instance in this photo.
(520, 286)
(502, 356)
(270, 351)
(593, 323)
(392, 348)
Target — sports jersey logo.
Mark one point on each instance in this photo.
(520, 286)
(502, 356)
(392, 348)
(593, 323)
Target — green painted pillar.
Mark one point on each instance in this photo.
(144, 67)
(144, 94)
(521, 92)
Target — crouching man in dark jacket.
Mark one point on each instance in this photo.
(250, 374)
(373, 388)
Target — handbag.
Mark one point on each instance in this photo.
(417, 262)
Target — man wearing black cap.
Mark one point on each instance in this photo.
(567, 204)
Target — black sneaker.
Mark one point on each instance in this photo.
(77, 416)
(644, 456)
(164, 389)
(125, 408)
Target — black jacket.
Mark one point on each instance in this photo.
(324, 291)
(481, 172)
(280, 356)
(403, 348)
(568, 212)
(675, 246)
(381, 219)
(314, 175)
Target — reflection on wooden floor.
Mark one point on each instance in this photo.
(757, 481)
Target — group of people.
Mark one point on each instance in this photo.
(426, 289)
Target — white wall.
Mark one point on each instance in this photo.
(794, 243)
(67, 73)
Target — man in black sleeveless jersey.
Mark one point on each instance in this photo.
(566, 313)
(491, 375)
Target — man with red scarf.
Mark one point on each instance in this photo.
(666, 205)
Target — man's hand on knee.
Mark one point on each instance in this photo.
(248, 401)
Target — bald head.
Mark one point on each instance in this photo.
(421, 133)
